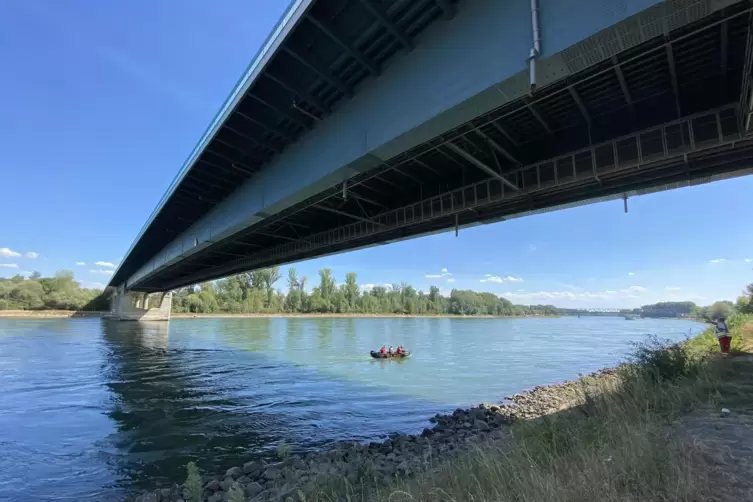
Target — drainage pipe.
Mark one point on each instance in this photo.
(536, 49)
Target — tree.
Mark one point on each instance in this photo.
(721, 309)
(326, 287)
(744, 303)
(351, 290)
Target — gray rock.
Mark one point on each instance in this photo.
(297, 463)
(234, 472)
(253, 489)
(212, 486)
(253, 466)
(272, 472)
(480, 425)
(218, 497)
(478, 413)
(227, 483)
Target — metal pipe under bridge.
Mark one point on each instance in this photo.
(371, 121)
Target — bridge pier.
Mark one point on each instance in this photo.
(134, 306)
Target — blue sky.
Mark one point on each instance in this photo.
(102, 102)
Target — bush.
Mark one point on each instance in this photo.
(663, 360)
(193, 483)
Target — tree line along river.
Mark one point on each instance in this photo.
(92, 409)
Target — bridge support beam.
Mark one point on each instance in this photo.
(133, 306)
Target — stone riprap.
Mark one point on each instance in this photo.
(400, 455)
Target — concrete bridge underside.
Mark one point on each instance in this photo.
(372, 122)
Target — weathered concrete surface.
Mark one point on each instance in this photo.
(130, 306)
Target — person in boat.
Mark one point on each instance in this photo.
(722, 333)
(390, 352)
(400, 351)
(383, 350)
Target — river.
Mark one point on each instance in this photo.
(93, 409)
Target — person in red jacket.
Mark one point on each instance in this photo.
(383, 350)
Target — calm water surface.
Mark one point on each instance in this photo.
(93, 410)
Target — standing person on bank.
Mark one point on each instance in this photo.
(722, 333)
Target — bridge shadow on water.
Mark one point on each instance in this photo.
(205, 392)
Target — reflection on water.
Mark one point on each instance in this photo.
(93, 409)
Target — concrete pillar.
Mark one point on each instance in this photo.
(134, 306)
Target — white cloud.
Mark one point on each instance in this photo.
(747, 260)
(717, 260)
(572, 287)
(8, 253)
(631, 292)
(93, 285)
(369, 287)
(499, 280)
(8, 265)
(672, 288)
(80, 263)
(492, 278)
(107, 264)
(450, 280)
(442, 273)
(631, 274)
(32, 255)
(103, 272)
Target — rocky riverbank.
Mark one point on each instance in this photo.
(399, 455)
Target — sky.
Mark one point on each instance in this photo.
(102, 102)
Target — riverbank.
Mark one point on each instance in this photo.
(589, 439)
(48, 314)
(74, 314)
(354, 315)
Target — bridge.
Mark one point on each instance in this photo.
(366, 122)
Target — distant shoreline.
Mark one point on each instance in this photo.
(74, 314)
(66, 314)
(51, 314)
(354, 315)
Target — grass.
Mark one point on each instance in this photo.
(618, 444)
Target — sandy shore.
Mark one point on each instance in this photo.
(46, 314)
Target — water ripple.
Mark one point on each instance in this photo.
(92, 410)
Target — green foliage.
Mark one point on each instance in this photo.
(60, 292)
(668, 309)
(193, 483)
(283, 450)
(662, 360)
(707, 342)
(254, 293)
(744, 303)
(236, 493)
